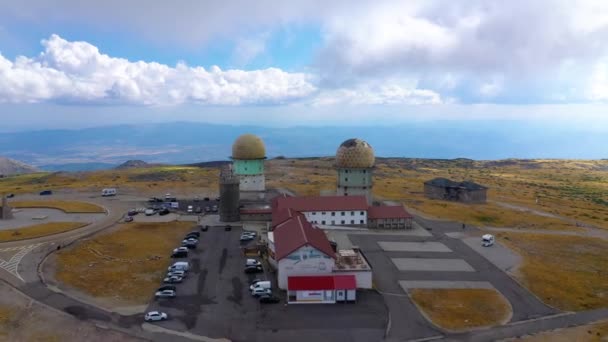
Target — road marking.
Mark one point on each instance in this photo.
(12, 264)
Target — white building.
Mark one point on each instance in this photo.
(323, 210)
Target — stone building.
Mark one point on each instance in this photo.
(445, 189)
(354, 164)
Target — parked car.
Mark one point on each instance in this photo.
(150, 212)
(165, 294)
(154, 316)
(207, 209)
(179, 265)
(269, 299)
(196, 199)
(167, 287)
(254, 269)
(264, 284)
(190, 209)
(198, 210)
(204, 228)
(248, 232)
(247, 237)
(164, 211)
(155, 200)
(10, 195)
(177, 273)
(487, 240)
(46, 192)
(180, 249)
(252, 262)
(261, 292)
(214, 208)
(128, 219)
(254, 281)
(173, 280)
(132, 212)
(180, 254)
(206, 199)
(190, 243)
(228, 227)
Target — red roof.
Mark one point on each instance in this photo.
(387, 211)
(297, 232)
(280, 216)
(319, 283)
(322, 203)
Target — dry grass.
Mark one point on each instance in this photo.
(153, 180)
(597, 332)
(39, 230)
(133, 259)
(6, 312)
(568, 272)
(71, 207)
(460, 309)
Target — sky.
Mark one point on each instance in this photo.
(72, 63)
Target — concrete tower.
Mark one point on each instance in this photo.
(229, 196)
(248, 154)
(354, 163)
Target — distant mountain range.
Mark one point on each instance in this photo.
(188, 143)
(10, 167)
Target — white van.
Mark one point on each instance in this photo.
(180, 265)
(261, 292)
(260, 285)
(108, 192)
(487, 240)
(252, 262)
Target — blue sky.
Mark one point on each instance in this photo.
(280, 63)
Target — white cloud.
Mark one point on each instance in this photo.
(247, 49)
(378, 94)
(78, 72)
(598, 84)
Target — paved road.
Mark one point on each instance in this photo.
(214, 301)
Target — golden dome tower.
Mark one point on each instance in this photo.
(248, 154)
(354, 163)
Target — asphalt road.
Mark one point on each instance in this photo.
(214, 301)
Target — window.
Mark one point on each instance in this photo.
(343, 213)
(364, 171)
(323, 222)
(346, 179)
(345, 171)
(352, 213)
(346, 194)
(314, 213)
(362, 213)
(361, 222)
(352, 221)
(322, 213)
(342, 221)
(333, 222)
(364, 187)
(333, 213)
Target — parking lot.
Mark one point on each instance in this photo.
(214, 301)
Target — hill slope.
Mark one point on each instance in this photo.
(10, 167)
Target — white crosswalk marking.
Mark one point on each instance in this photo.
(12, 264)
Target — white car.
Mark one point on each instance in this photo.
(177, 273)
(154, 316)
(190, 209)
(259, 292)
(165, 294)
(487, 240)
(180, 249)
(247, 237)
(249, 233)
(173, 279)
(149, 212)
(190, 240)
(252, 262)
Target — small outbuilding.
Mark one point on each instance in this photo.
(449, 190)
(389, 216)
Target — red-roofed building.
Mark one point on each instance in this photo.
(321, 289)
(388, 216)
(324, 210)
(298, 248)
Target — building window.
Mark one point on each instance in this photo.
(343, 213)
(352, 221)
(322, 213)
(346, 194)
(322, 222)
(362, 213)
(314, 213)
(361, 222)
(333, 213)
(364, 187)
(342, 221)
(345, 171)
(364, 171)
(352, 213)
(333, 222)
(346, 179)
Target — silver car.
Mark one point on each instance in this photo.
(165, 294)
(154, 316)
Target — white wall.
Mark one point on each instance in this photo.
(304, 261)
(252, 183)
(319, 216)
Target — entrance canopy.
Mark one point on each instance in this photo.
(317, 283)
